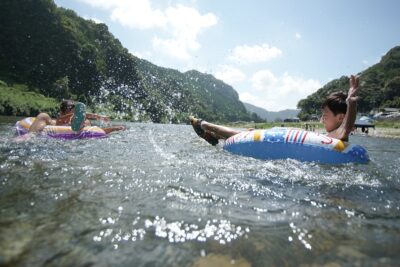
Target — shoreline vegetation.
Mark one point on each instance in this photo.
(20, 100)
(382, 129)
(385, 129)
(69, 57)
(61, 55)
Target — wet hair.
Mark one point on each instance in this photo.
(66, 105)
(336, 102)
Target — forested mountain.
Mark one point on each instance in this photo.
(380, 87)
(197, 92)
(272, 115)
(58, 54)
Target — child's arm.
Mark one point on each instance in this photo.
(114, 128)
(64, 119)
(344, 130)
(92, 116)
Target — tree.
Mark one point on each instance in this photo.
(61, 89)
(392, 89)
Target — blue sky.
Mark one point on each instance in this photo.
(273, 53)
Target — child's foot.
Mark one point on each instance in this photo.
(200, 132)
(78, 120)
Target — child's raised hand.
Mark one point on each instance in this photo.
(353, 91)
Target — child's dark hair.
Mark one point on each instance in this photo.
(336, 102)
(66, 105)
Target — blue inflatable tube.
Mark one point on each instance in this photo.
(284, 143)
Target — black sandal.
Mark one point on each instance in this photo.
(201, 133)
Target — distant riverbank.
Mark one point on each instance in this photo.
(382, 129)
(385, 132)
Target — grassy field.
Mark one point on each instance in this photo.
(388, 124)
(18, 100)
(314, 124)
(389, 129)
(268, 125)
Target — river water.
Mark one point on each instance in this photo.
(157, 195)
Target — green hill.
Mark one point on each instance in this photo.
(380, 87)
(58, 54)
(271, 116)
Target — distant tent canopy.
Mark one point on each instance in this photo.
(291, 120)
(365, 118)
(363, 124)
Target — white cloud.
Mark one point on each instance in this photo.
(186, 24)
(187, 21)
(229, 74)
(181, 24)
(139, 15)
(297, 35)
(142, 55)
(250, 98)
(246, 54)
(277, 93)
(104, 4)
(172, 47)
(95, 20)
(134, 14)
(264, 79)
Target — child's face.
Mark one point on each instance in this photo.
(330, 120)
(68, 111)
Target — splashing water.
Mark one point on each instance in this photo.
(166, 195)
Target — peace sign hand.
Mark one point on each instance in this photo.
(353, 90)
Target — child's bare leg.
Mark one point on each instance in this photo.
(211, 138)
(114, 128)
(40, 122)
(221, 131)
